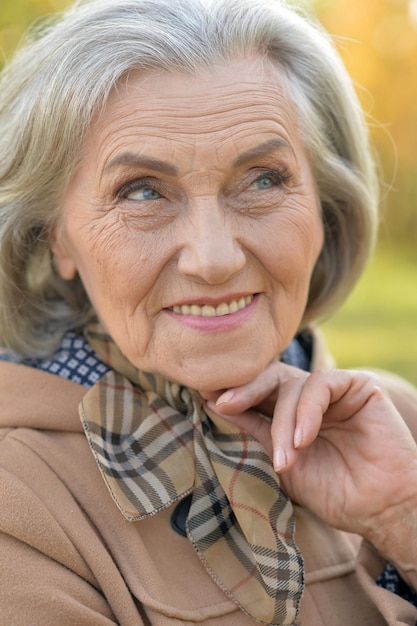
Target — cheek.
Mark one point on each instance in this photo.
(291, 245)
(124, 268)
(105, 248)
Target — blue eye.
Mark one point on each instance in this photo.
(269, 180)
(145, 193)
(265, 182)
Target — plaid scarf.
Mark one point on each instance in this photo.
(156, 442)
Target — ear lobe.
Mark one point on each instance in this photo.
(64, 262)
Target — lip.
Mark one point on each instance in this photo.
(215, 324)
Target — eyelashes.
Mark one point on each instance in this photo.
(271, 178)
(150, 188)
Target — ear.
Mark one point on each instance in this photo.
(63, 260)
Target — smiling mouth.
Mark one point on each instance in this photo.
(208, 310)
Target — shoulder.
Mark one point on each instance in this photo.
(39, 429)
(45, 534)
(31, 398)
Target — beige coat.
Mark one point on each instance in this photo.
(69, 558)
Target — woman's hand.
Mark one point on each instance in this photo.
(341, 447)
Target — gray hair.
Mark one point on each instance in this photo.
(59, 80)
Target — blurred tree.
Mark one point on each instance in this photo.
(378, 42)
(17, 15)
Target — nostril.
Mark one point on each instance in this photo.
(212, 260)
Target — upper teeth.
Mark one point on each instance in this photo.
(207, 310)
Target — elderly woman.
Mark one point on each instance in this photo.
(185, 187)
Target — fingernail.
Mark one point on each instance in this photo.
(227, 396)
(280, 459)
(298, 437)
(213, 407)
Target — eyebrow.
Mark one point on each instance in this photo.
(128, 158)
(264, 149)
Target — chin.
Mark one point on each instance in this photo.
(216, 380)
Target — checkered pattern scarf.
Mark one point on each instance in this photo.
(156, 442)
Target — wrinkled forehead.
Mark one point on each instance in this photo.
(237, 99)
(253, 81)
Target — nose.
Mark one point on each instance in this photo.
(211, 251)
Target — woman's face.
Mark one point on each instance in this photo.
(193, 222)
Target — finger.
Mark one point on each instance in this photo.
(329, 397)
(211, 395)
(284, 424)
(260, 393)
(313, 402)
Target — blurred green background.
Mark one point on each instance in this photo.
(378, 42)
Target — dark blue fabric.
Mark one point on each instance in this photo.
(74, 360)
(391, 580)
(298, 353)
